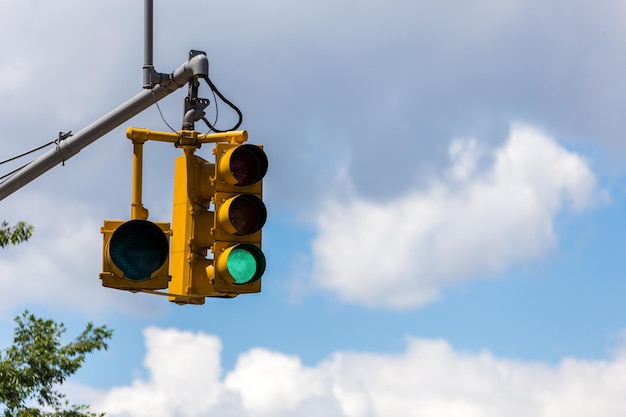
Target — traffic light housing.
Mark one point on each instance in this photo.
(192, 224)
(135, 255)
(231, 232)
(240, 214)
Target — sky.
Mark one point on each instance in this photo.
(445, 196)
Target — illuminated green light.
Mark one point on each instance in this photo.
(245, 264)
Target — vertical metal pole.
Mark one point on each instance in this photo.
(148, 64)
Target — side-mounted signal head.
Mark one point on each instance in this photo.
(137, 250)
(135, 255)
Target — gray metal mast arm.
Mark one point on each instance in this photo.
(197, 66)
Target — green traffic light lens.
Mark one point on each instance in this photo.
(242, 265)
(245, 263)
(138, 248)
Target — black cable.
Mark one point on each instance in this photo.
(6, 177)
(161, 113)
(217, 111)
(28, 152)
(228, 102)
(10, 174)
(211, 126)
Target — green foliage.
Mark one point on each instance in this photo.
(19, 233)
(37, 363)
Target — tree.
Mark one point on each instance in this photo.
(19, 233)
(37, 363)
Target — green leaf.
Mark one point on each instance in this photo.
(19, 233)
(38, 363)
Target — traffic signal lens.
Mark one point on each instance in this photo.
(241, 265)
(138, 248)
(244, 165)
(245, 263)
(242, 215)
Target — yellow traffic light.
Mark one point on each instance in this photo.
(232, 187)
(135, 255)
(214, 242)
(239, 216)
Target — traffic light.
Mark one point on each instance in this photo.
(240, 214)
(135, 255)
(232, 187)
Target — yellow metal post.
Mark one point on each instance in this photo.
(137, 210)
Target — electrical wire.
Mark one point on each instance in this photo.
(161, 113)
(216, 93)
(27, 153)
(217, 111)
(7, 176)
(227, 102)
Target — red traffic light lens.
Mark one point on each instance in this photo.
(242, 215)
(244, 165)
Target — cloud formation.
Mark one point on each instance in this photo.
(429, 379)
(184, 377)
(402, 252)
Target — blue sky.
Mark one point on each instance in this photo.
(445, 205)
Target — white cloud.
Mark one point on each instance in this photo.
(274, 395)
(184, 377)
(400, 253)
(429, 379)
